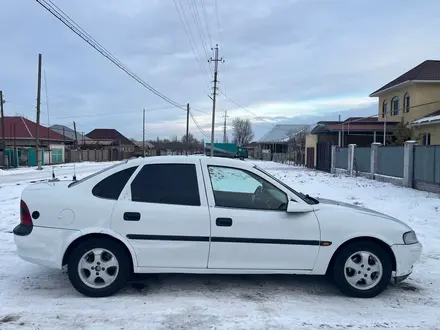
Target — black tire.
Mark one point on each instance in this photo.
(110, 245)
(339, 269)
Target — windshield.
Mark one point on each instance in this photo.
(305, 198)
(74, 183)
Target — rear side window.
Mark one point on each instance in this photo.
(74, 183)
(166, 184)
(111, 187)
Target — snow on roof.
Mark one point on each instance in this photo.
(432, 118)
(282, 133)
(68, 132)
(426, 120)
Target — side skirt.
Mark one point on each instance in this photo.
(152, 270)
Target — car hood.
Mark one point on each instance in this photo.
(357, 209)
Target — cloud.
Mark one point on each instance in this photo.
(284, 59)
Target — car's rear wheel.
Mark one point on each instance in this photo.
(99, 267)
(362, 269)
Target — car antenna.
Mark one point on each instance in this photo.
(53, 175)
(74, 172)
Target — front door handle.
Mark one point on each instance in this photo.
(223, 222)
(132, 216)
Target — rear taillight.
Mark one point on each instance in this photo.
(25, 215)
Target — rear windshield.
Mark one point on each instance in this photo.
(74, 183)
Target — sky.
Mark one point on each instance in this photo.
(286, 61)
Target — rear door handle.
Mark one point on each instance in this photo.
(132, 216)
(223, 222)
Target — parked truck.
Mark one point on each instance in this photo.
(229, 150)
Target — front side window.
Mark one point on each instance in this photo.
(111, 187)
(395, 106)
(238, 188)
(174, 184)
(305, 198)
(407, 102)
(384, 108)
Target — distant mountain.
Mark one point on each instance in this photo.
(262, 128)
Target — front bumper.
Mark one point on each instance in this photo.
(406, 255)
(43, 246)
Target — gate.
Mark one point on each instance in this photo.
(323, 156)
(427, 168)
(310, 163)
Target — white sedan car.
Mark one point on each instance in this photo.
(191, 214)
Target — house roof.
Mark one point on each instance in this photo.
(68, 132)
(148, 145)
(282, 133)
(426, 71)
(432, 118)
(27, 129)
(109, 134)
(353, 124)
(253, 144)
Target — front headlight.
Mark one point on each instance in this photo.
(410, 237)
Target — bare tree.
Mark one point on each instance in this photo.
(297, 143)
(188, 140)
(242, 131)
(402, 133)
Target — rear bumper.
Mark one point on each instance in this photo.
(406, 255)
(44, 246)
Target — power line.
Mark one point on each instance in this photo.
(390, 111)
(197, 125)
(195, 13)
(110, 114)
(185, 18)
(191, 40)
(243, 108)
(206, 20)
(70, 23)
(201, 111)
(216, 14)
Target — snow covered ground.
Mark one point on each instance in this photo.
(32, 297)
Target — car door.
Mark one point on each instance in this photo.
(250, 227)
(164, 214)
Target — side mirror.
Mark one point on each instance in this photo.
(295, 207)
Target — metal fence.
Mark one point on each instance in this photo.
(292, 158)
(427, 164)
(362, 159)
(390, 161)
(341, 160)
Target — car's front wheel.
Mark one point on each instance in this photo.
(362, 269)
(99, 267)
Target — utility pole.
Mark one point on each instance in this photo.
(3, 128)
(38, 112)
(385, 127)
(15, 158)
(187, 128)
(48, 117)
(225, 136)
(76, 142)
(339, 134)
(214, 93)
(143, 132)
(76, 136)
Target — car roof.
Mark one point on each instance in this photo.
(222, 161)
